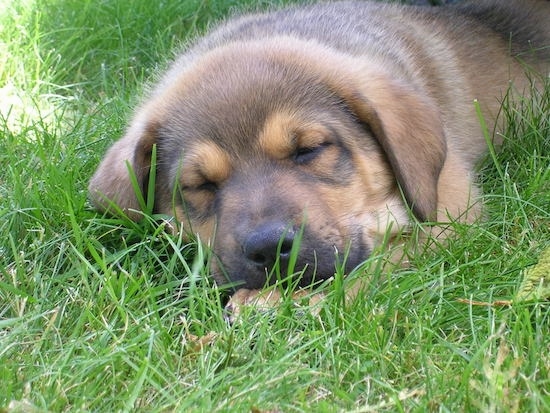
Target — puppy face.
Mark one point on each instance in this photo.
(301, 179)
(260, 148)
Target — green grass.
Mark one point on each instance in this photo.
(103, 314)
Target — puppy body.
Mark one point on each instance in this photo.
(328, 124)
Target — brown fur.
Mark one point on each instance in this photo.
(333, 124)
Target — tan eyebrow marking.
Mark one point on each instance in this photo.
(206, 161)
(277, 138)
(284, 132)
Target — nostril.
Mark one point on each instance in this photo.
(266, 241)
(286, 245)
(258, 258)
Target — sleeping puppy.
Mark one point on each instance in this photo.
(302, 138)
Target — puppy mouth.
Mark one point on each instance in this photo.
(276, 253)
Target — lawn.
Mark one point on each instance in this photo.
(102, 314)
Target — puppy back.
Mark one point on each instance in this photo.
(524, 25)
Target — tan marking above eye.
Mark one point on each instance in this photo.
(203, 164)
(284, 134)
(313, 137)
(277, 136)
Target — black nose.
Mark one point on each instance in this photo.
(267, 242)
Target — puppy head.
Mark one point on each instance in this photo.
(261, 145)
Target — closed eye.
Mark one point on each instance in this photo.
(305, 155)
(207, 186)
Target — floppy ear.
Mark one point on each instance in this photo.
(408, 126)
(111, 182)
(405, 120)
